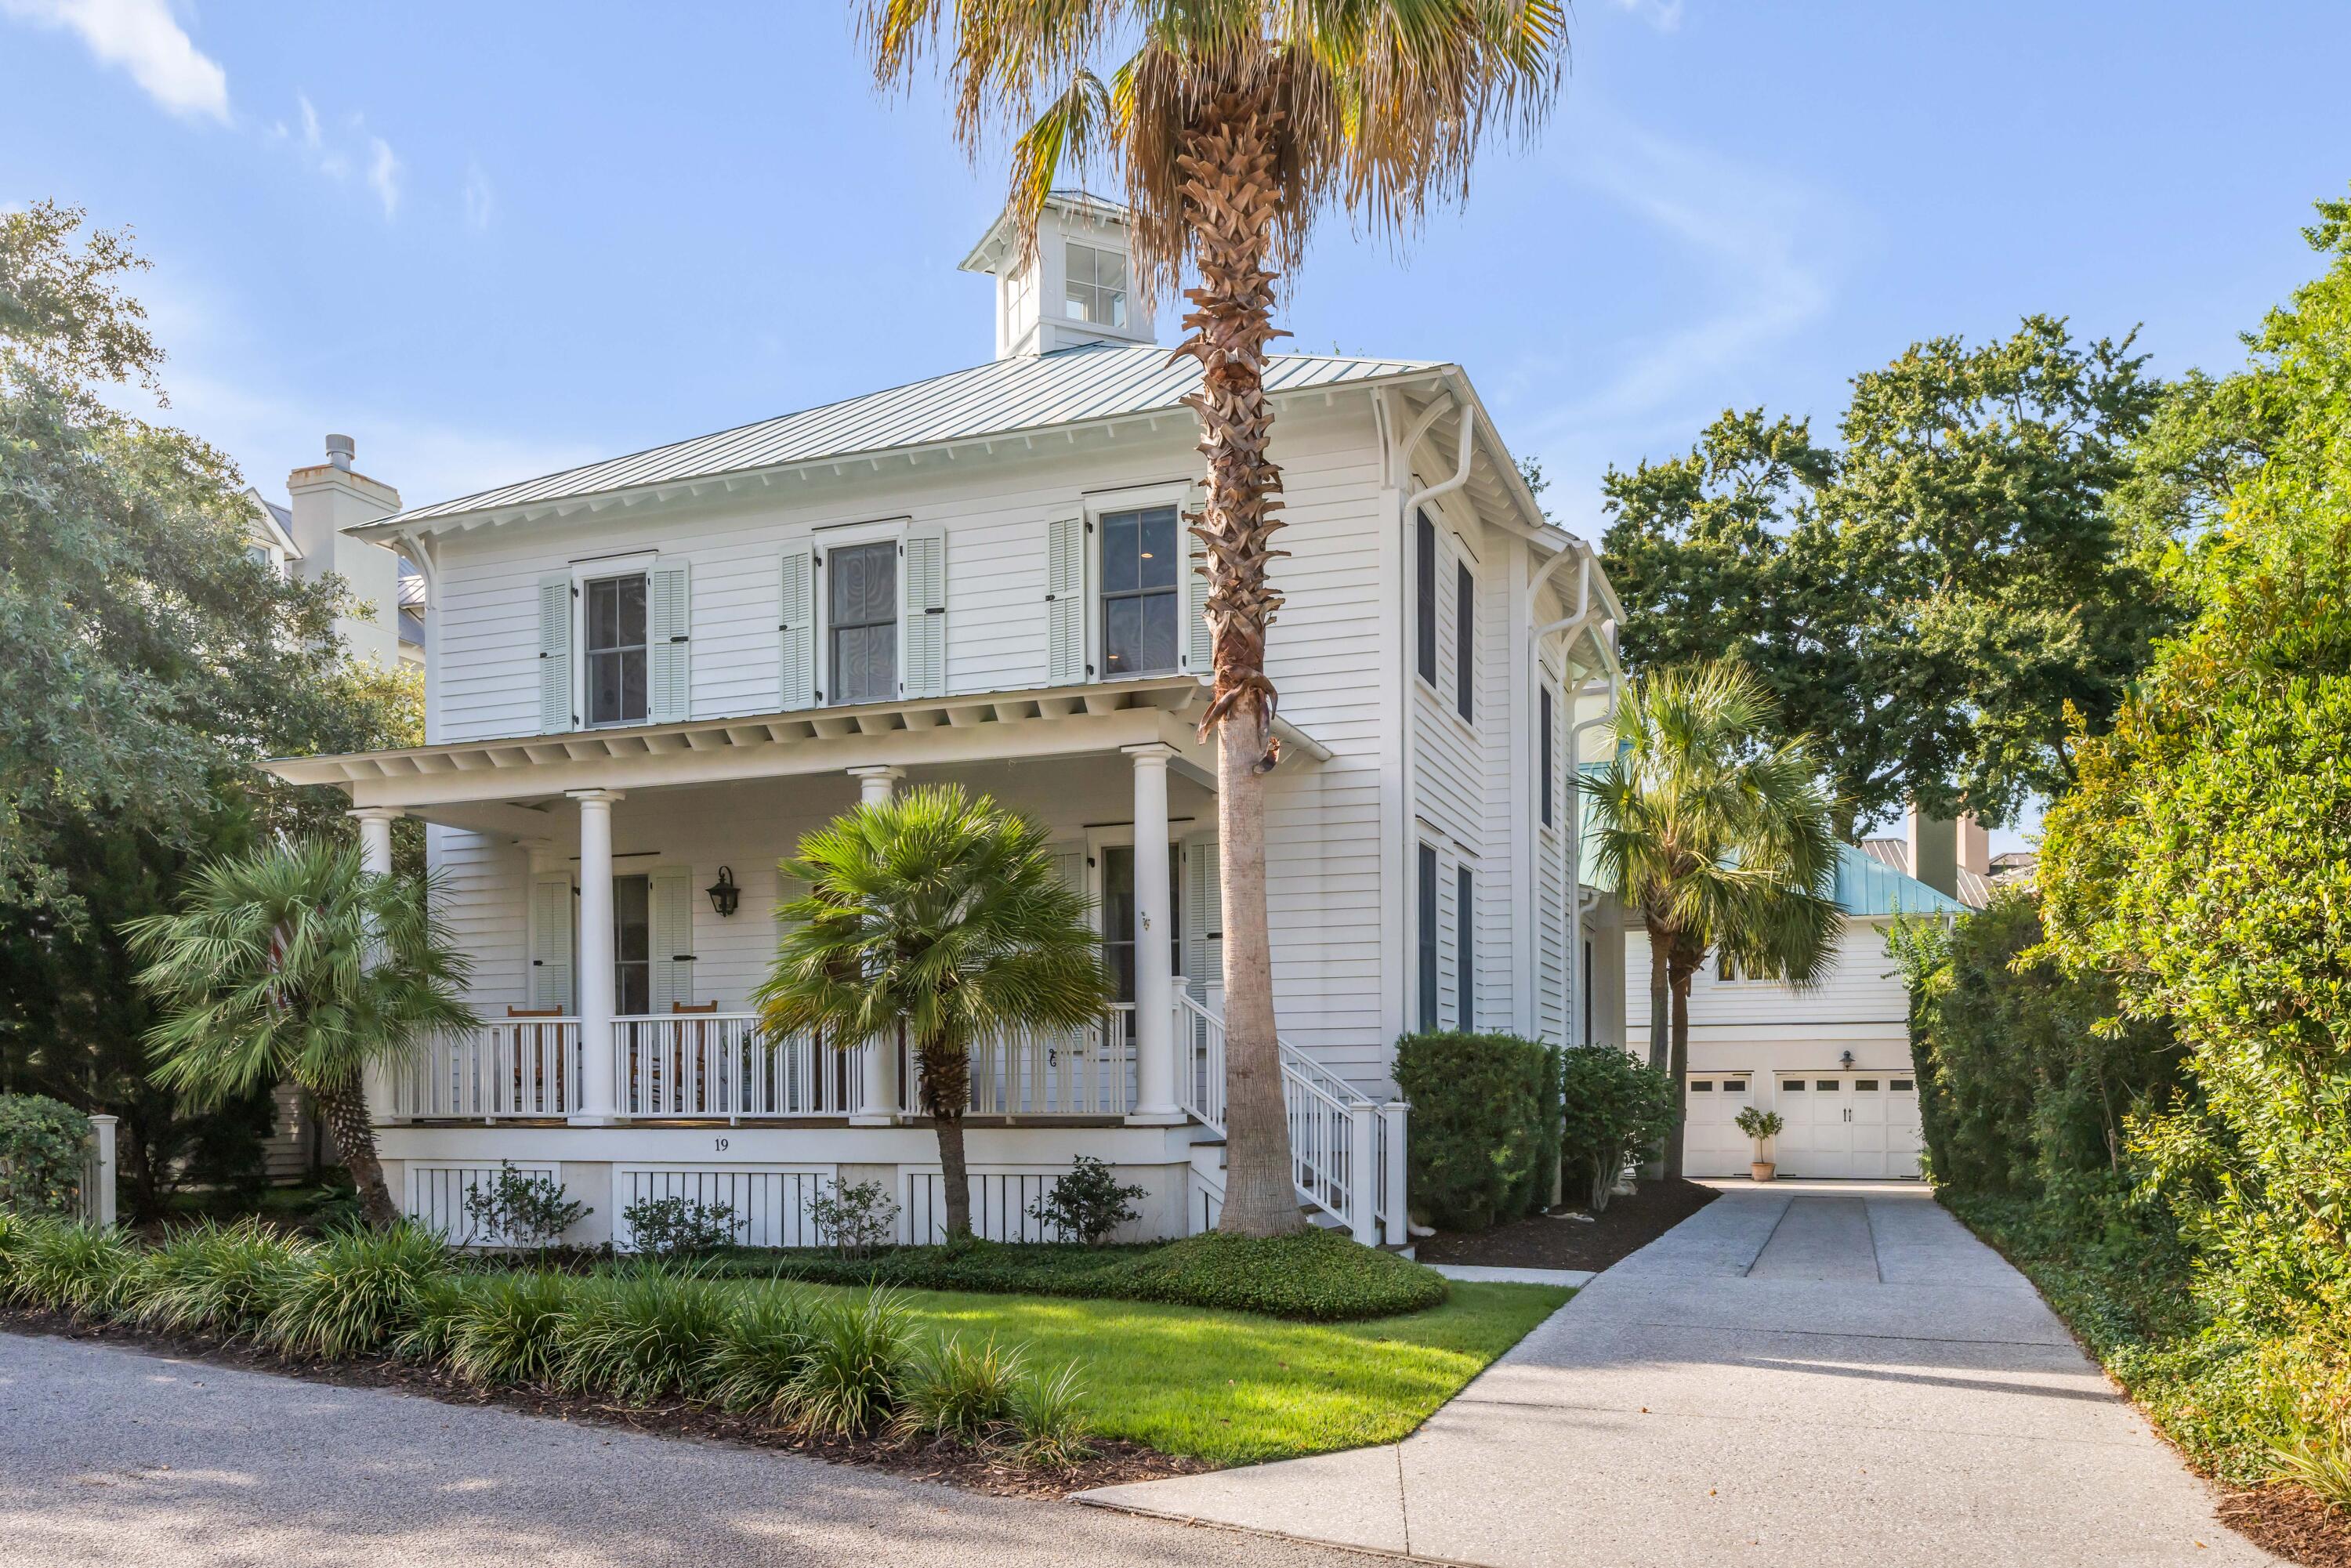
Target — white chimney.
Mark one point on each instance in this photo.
(1078, 286)
(327, 500)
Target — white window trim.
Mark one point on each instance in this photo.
(597, 568)
(845, 537)
(1098, 504)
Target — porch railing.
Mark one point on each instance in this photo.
(1346, 1149)
(1042, 1072)
(724, 1064)
(511, 1067)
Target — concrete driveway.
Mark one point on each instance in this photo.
(1798, 1373)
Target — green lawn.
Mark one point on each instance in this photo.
(1233, 1389)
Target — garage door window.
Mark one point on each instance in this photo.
(1826, 1086)
(1865, 1085)
(1792, 1085)
(1702, 1086)
(1903, 1086)
(1734, 1086)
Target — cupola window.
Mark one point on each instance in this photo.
(1096, 286)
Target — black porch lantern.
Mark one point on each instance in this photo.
(724, 893)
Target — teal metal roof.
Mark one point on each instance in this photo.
(1004, 397)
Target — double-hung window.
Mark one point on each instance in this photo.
(1423, 609)
(1465, 641)
(1141, 592)
(1096, 287)
(861, 601)
(615, 627)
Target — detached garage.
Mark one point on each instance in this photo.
(1833, 1060)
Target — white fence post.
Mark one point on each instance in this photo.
(1363, 1173)
(97, 1177)
(1391, 1118)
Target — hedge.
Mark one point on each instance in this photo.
(1485, 1126)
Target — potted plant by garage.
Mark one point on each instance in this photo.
(1761, 1126)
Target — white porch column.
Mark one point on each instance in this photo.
(596, 1105)
(375, 856)
(1155, 985)
(879, 1088)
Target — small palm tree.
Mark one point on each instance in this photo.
(1236, 124)
(1718, 832)
(941, 915)
(295, 961)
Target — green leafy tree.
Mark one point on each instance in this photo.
(1716, 834)
(1931, 597)
(294, 961)
(1234, 127)
(145, 662)
(939, 918)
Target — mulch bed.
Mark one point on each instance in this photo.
(1556, 1241)
(1114, 1461)
(2295, 1522)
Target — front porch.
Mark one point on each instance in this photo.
(619, 893)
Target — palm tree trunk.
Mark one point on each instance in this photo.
(1661, 957)
(343, 1106)
(1230, 196)
(946, 1090)
(1678, 1068)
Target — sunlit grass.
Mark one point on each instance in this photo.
(1234, 1388)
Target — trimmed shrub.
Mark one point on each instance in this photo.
(643, 1336)
(677, 1226)
(952, 1391)
(1611, 1107)
(1318, 1275)
(77, 1269)
(43, 1145)
(363, 1288)
(1086, 1204)
(858, 1217)
(1485, 1125)
(757, 1364)
(227, 1279)
(528, 1212)
(506, 1328)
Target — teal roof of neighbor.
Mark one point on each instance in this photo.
(1004, 397)
(1865, 887)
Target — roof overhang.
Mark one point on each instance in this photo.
(994, 727)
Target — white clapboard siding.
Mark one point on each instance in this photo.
(923, 667)
(556, 676)
(1065, 601)
(796, 628)
(1861, 987)
(669, 632)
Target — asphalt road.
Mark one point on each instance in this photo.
(110, 1455)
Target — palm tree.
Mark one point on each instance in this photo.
(1236, 124)
(295, 961)
(942, 917)
(1718, 832)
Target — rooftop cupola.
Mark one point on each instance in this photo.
(1077, 287)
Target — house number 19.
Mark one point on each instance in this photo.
(722, 1144)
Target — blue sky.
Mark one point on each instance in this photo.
(492, 240)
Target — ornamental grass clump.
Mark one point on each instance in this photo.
(643, 1337)
(857, 1357)
(1047, 1423)
(82, 1269)
(362, 1290)
(439, 1308)
(224, 1278)
(508, 1328)
(954, 1391)
(756, 1366)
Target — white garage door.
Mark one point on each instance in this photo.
(1848, 1125)
(1712, 1144)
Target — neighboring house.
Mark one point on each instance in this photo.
(1953, 857)
(308, 538)
(1832, 1059)
(648, 677)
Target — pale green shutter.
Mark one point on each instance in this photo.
(671, 895)
(550, 940)
(924, 670)
(1065, 601)
(1069, 866)
(669, 629)
(1204, 916)
(796, 629)
(1199, 652)
(555, 675)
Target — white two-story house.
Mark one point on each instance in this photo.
(648, 677)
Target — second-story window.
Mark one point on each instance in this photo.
(616, 649)
(1095, 287)
(1543, 751)
(1465, 641)
(862, 597)
(1139, 597)
(1424, 608)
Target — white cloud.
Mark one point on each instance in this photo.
(481, 201)
(144, 38)
(384, 175)
(1665, 16)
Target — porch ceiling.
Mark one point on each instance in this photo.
(481, 778)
